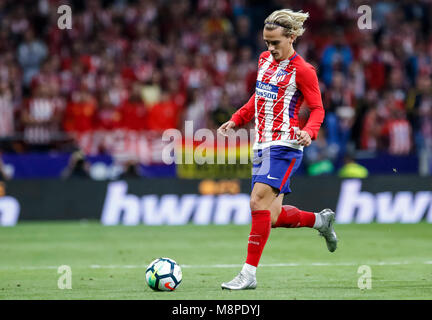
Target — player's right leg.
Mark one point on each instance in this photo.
(261, 197)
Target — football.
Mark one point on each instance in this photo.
(163, 274)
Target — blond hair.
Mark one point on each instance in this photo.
(290, 21)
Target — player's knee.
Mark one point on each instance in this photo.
(257, 202)
(254, 204)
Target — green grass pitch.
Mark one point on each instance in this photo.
(110, 262)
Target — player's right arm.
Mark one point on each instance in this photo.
(240, 117)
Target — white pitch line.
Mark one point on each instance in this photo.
(32, 268)
(313, 264)
(222, 266)
(96, 266)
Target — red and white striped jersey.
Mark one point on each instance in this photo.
(281, 88)
(399, 136)
(42, 112)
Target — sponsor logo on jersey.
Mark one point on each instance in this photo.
(266, 90)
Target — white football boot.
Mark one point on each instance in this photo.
(241, 282)
(327, 230)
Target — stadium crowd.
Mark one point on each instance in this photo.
(149, 65)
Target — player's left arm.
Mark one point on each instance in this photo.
(307, 82)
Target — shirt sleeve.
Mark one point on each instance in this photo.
(307, 82)
(245, 113)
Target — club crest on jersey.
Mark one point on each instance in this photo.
(281, 75)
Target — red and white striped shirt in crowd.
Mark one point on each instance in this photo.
(6, 116)
(281, 88)
(399, 135)
(42, 113)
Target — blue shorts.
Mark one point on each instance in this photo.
(275, 165)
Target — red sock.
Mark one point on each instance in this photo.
(292, 217)
(260, 231)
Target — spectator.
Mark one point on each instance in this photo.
(80, 112)
(7, 128)
(396, 133)
(133, 110)
(223, 111)
(196, 76)
(244, 33)
(117, 93)
(370, 130)
(425, 112)
(374, 67)
(217, 22)
(418, 105)
(164, 115)
(246, 69)
(3, 174)
(176, 92)
(338, 101)
(151, 91)
(196, 110)
(221, 58)
(108, 116)
(41, 118)
(48, 73)
(77, 167)
(336, 57)
(351, 169)
(131, 170)
(319, 155)
(31, 54)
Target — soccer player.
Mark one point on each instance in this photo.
(284, 81)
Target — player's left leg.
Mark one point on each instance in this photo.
(287, 216)
(292, 217)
